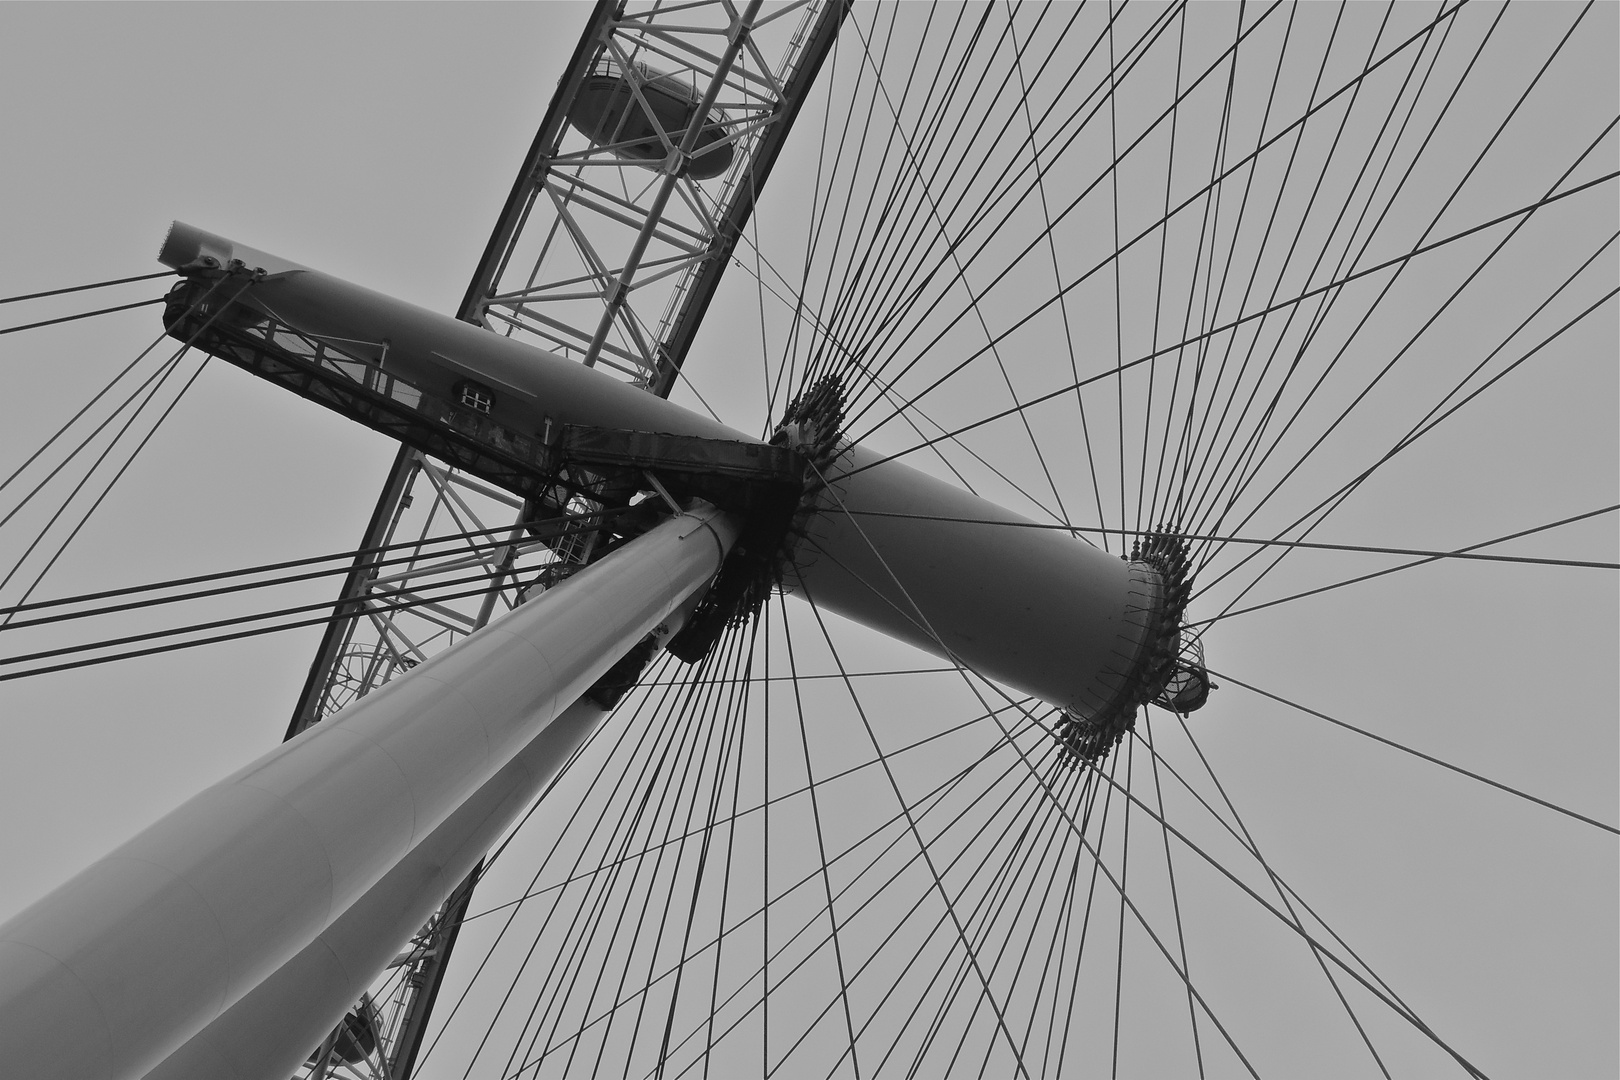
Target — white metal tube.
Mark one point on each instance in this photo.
(269, 1032)
(115, 970)
(1036, 609)
(964, 579)
(434, 352)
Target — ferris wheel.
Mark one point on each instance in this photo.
(1065, 540)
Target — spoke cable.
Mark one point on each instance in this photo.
(1445, 14)
(484, 553)
(94, 285)
(1254, 848)
(1420, 754)
(1227, 614)
(1388, 288)
(1467, 553)
(1423, 427)
(1175, 899)
(81, 315)
(1308, 294)
(1410, 1017)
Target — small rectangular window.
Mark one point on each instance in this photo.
(475, 396)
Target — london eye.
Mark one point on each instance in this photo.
(1060, 540)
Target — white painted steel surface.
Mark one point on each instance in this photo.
(1028, 606)
(1034, 608)
(115, 970)
(434, 352)
(268, 1034)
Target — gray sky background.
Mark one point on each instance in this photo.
(377, 142)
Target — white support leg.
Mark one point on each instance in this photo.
(119, 968)
(269, 1032)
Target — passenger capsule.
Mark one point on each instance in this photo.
(606, 111)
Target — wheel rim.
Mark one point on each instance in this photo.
(918, 1006)
(1396, 853)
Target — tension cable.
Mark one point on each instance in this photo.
(83, 288)
(82, 315)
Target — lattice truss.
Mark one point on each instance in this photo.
(425, 592)
(639, 183)
(646, 167)
(622, 221)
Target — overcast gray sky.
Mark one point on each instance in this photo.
(377, 142)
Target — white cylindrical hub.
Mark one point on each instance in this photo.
(1036, 609)
(115, 970)
(969, 581)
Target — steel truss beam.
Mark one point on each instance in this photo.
(597, 257)
(556, 271)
